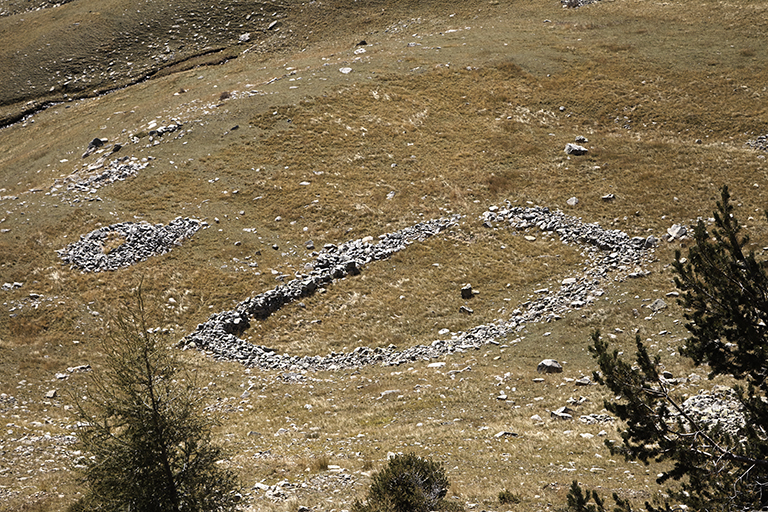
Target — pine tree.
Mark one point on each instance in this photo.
(148, 443)
(725, 296)
(408, 483)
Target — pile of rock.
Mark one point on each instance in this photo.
(139, 242)
(760, 143)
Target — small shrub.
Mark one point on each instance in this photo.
(408, 484)
(320, 463)
(224, 95)
(508, 497)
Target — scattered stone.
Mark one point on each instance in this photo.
(310, 245)
(574, 4)
(760, 143)
(575, 149)
(95, 144)
(581, 139)
(51, 394)
(658, 305)
(677, 231)
(502, 396)
(593, 419)
(573, 201)
(345, 71)
(536, 417)
(466, 291)
(563, 413)
(608, 197)
(584, 381)
(504, 433)
(109, 172)
(549, 366)
(465, 309)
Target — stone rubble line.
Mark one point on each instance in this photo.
(118, 169)
(219, 335)
(142, 240)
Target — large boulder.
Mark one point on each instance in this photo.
(549, 366)
(575, 149)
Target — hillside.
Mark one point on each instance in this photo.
(390, 152)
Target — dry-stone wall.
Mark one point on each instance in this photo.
(139, 242)
(608, 251)
(219, 334)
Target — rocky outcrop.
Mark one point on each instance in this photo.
(719, 407)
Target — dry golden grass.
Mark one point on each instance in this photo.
(465, 127)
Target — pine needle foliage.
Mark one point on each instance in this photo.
(725, 295)
(579, 501)
(148, 443)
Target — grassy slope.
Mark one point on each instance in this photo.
(470, 116)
